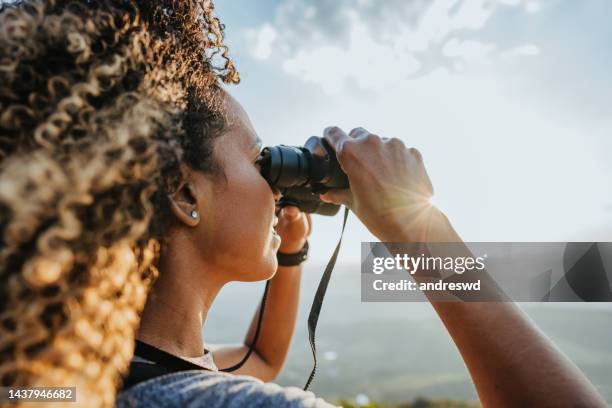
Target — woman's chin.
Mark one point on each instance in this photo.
(268, 266)
(269, 263)
(269, 270)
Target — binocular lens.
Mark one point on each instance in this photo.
(284, 166)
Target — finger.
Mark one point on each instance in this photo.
(358, 133)
(291, 213)
(335, 137)
(309, 220)
(338, 197)
(428, 184)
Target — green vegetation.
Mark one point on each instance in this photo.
(417, 403)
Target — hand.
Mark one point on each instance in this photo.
(390, 188)
(294, 227)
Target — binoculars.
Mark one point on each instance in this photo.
(302, 173)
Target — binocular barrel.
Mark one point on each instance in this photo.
(285, 166)
(302, 173)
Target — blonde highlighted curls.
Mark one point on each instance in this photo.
(100, 103)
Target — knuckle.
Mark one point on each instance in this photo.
(357, 132)
(373, 139)
(396, 143)
(331, 130)
(348, 151)
(415, 153)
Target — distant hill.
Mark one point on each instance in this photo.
(396, 352)
(418, 403)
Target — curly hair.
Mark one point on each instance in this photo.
(100, 104)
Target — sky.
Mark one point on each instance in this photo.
(508, 101)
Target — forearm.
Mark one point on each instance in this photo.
(279, 318)
(511, 362)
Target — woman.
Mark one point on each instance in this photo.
(226, 232)
(123, 159)
(110, 112)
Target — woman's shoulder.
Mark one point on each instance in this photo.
(215, 389)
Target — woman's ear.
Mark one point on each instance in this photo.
(184, 204)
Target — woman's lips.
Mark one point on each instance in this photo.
(276, 239)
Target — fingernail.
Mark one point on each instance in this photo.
(291, 211)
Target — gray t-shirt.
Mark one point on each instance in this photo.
(215, 390)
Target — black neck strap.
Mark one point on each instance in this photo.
(315, 309)
(173, 363)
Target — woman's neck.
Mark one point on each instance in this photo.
(177, 306)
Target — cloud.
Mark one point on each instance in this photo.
(532, 7)
(373, 44)
(260, 41)
(370, 64)
(471, 51)
(527, 50)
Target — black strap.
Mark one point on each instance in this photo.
(256, 337)
(171, 363)
(315, 309)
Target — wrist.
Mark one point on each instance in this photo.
(429, 225)
(291, 247)
(294, 258)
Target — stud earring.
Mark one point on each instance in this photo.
(194, 214)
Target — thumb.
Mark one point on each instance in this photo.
(291, 213)
(339, 197)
